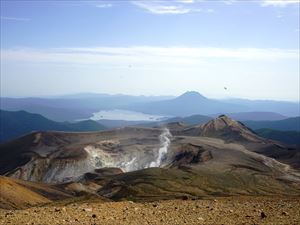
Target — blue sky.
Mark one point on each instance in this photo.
(151, 48)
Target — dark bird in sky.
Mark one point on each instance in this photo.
(225, 88)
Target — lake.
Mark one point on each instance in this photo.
(127, 115)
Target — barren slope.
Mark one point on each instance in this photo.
(16, 194)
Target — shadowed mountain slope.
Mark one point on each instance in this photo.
(288, 137)
(15, 124)
(290, 124)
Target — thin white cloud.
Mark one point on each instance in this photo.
(144, 55)
(264, 3)
(171, 7)
(186, 1)
(158, 7)
(229, 2)
(104, 5)
(15, 18)
(279, 3)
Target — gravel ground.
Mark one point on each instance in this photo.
(230, 210)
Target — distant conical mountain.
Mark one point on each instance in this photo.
(187, 104)
(192, 95)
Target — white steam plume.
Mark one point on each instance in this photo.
(128, 166)
(162, 151)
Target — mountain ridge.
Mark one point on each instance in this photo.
(225, 128)
(14, 124)
(74, 107)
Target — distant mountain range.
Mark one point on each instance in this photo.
(190, 103)
(14, 124)
(73, 107)
(255, 116)
(289, 109)
(290, 124)
(80, 106)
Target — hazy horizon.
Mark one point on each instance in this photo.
(139, 95)
(151, 48)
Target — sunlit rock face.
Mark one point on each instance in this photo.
(76, 154)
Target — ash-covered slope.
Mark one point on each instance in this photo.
(206, 167)
(232, 131)
(59, 157)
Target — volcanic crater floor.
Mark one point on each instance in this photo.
(221, 210)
